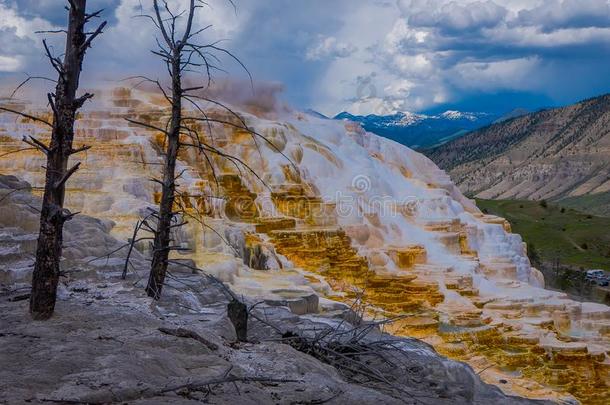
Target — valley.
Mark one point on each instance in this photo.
(557, 233)
(559, 155)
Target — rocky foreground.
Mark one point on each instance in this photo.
(109, 343)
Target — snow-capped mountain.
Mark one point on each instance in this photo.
(458, 115)
(419, 130)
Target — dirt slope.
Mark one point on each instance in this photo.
(553, 154)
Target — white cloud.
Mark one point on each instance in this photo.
(22, 27)
(9, 64)
(20, 43)
(556, 14)
(535, 37)
(118, 58)
(402, 35)
(513, 74)
(329, 47)
(445, 48)
(452, 15)
(413, 66)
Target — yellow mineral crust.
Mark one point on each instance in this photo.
(477, 307)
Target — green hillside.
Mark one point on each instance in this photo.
(597, 204)
(575, 238)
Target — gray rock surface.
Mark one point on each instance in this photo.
(86, 239)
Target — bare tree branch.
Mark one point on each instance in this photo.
(17, 151)
(56, 63)
(37, 144)
(28, 116)
(97, 32)
(79, 102)
(79, 150)
(146, 125)
(67, 175)
(27, 80)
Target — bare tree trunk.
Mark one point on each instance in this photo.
(180, 54)
(65, 104)
(238, 314)
(161, 245)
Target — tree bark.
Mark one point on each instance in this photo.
(161, 246)
(53, 216)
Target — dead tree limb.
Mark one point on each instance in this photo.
(30, 78)
(27, 116)
(189, 334)
(130, 394)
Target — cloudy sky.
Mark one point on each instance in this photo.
(364, 56)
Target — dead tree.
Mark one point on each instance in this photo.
(181, 55)
(173, 56)
(65, 104)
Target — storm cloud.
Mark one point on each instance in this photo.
(363, 56)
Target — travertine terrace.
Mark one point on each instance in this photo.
(341, 214)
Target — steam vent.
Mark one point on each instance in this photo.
(332, 213)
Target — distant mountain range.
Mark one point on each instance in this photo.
(560, 154)
(420, 131)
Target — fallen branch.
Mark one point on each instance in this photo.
(130, 394)
(18, 298)
(203, 384)
(189, 334)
